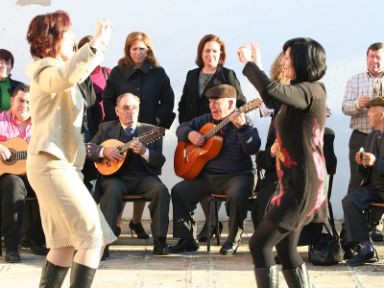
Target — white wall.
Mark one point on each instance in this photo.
(344, 28)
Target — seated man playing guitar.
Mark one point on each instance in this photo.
(15, 133)
(231, 172)
(131, 168)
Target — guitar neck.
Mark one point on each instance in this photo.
(146, 138)
(20, 155)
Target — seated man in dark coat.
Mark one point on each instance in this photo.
(371, 164)
(138, 173)
(231, 172)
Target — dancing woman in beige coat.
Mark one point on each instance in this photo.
(71, 220)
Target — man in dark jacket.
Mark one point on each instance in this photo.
(138, 173)
(370, 159)
(230, 173)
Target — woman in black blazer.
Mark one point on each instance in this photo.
(193, 102)
(210, 72)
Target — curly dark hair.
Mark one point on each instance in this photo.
(45, 33)
(210, 37)
(308, 58)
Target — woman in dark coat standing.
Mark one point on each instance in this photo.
(138, 72)
(300, 164)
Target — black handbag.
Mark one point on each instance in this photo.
(327, 250)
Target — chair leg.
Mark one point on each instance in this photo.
(209, 224)
(217, 223)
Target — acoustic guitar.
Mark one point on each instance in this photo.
(16, 164)
(190, 159)
(107, 167)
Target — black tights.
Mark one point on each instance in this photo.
(266, 236)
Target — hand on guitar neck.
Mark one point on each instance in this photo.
(237, 119)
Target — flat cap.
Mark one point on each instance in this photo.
(377, 101)
(221, 91)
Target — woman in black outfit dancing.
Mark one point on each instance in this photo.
(300, 165)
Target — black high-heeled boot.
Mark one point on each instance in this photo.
(267, 277)
(139, 230)
(202, 237)
(81, 276)
(297, 278)
(52, 276)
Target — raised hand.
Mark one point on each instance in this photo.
(102, 34)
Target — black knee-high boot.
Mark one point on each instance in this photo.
(81, 276)
(267, 277)
(297, 278)
(52, 276)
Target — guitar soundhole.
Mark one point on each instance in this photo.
(11, 159)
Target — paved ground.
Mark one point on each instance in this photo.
(132, 265)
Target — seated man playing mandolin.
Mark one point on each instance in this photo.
(15, 133)
(231, 172)
(127, 166)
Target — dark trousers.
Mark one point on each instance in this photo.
(150, 187)
(266, 236)
(186, 194)
(32, 229)
(12, 195)
(353, 205)
(356, 141)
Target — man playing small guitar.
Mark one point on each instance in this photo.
(15, 133)
(231, 172)
(138, 173)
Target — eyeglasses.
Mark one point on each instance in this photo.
(127, 108)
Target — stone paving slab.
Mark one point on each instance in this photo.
(132, 265)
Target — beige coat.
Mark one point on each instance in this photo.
(56, 110)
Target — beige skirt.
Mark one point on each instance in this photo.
(69, 214)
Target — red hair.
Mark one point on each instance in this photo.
(45, 33)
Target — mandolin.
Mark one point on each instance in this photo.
(107, 167)
(190, 159)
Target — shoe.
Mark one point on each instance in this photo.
(117, 231)
(376, 235)
(202, 237)
(160, 246)
(362, 258)
(12, 256)
(35, 248)
(105, 253)
(38, 250)
(229, 248)
(139, 230)
(184, 245)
